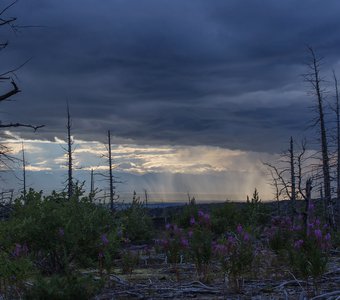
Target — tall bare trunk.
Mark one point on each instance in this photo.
(69, 155)
(292, 176)
(337, 111)
(315, 81)
(112, 191)
(92, 185)
(24, 172)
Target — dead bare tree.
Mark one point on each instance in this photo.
(113, 196)
(308, 199)
(92, 186)
(11, 89)
(292, 176)
(314, 79)
(24, 172)
(288, 176)
(69, 155)
(337, 113)
(8, 76)
(110, 171)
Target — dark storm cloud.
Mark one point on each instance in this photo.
(223, 73)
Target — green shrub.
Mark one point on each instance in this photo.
(136, 223)
(60, 234)
(68, 287)
(224, 218)
(15, 269)
(255, 214)
(187, 212)
(236, 253)
(309, 251)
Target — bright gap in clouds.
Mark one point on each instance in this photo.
(166, 172)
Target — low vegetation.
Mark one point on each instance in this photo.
(53, 247)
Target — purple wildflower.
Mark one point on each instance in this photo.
(185, 242)
(317, 222)
(231, 241)
(239, 229)
(206, 218)
(200, 214)
(192, 221)
(17, 250)
(100, 254)
(298, 244)
(246, 237)
(311, 206)
(61, 232)
(328, 237)
(104, 239)
(220, 249)
(190, 233)
(167, 226)
(318, 234)
(24, 249)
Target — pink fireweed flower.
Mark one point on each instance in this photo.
(239, 229)
(25, 249)
(310, 227)
(231, 241)
(317, 222)
(298, 244)
(220, 249)
(296, 228)
(17, 250)
(318, 234)
(206, 218)
(246, 237)
(184, 242)
(165, 243)
(104, 239)
(61, 232)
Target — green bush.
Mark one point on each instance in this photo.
(15, 269)
(60, 234)
(64, 288)
(136, 223)
(224, 218)
(188, 211)
(255, 214)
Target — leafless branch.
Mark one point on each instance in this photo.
(21, 125)
(12, 92)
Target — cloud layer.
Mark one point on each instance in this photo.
(170, 72)
(164, 170)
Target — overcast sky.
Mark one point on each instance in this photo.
(194, 73)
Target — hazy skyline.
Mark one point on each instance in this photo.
(198, 87)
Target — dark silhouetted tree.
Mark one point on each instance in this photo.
(313, 77)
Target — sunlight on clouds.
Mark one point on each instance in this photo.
(37, 168)
(135, 158)
(220, 170)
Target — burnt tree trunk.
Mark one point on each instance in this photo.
(337, 111)
(111, 179)
(69, 156)
(24, 172)
(315, 81)
(308, 199)
(292, 177)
